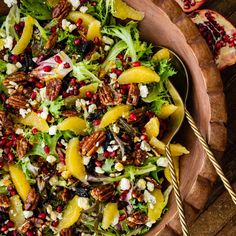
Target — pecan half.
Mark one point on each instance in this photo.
(15, 79)
(37, 222)
(31, 201)
(52, 40)
(5, 121)
(66, 232)
(25, 227)
(103, 193)
(137, 218)
(133, 95)
(18, 101)
(64, 195)
(21, 147)
(137, 194)
(139, 157)
(109, 96)
(61, 10)
(69, 113)
(89, 145)
(53, 88)
(4, 201)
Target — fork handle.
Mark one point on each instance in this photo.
(210, 155)
(178, 199)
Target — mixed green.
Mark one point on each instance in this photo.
(83, 111)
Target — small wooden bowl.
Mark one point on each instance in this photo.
(166, 24)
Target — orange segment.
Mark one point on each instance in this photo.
(74, 161)
(122, 11)
(74, 123)
(152, 127)
(140, 74)
(162, 54)
(114, 114)
(25, 37)
(167, 110)
(110, 213)
(20, 182)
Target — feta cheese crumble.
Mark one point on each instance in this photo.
(75, 4)
(28, 214)
(99, 170)
(10, 3)
(51, 159)
(8, 42)
(11, 68)
(52, 130)
(83, 203)
(141, 184)
(162, 161)
(145, 146)
(124, 184)
(143, 90)
(83, 9)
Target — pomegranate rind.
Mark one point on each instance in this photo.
(191, 8)
(224, 48)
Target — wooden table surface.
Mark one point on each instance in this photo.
(219, 216)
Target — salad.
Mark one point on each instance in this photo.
(83, 112)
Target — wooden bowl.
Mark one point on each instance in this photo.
(166, 24)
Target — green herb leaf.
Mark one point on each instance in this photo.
(107, 167)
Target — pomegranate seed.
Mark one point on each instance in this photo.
(58, 59)
(122, 217)
(116, 71)
(96, 122)
(106, 154)
(53, 29)
(9, 143)
(17, 27)
(10, 188)
(64, 94)
(4, 228)
(22, 24)
(98, 163)
(46, 149)
(144, 137)
(112, 154)
(29, 233)
(55, 223)
(11, 156)
(47, 68)
(81, 83)
(10, 224)
(66, 65)
(59, 209)
(33, 95)
(123, 195)
(3, 97)
(150, 114)
(14, 233)
(94, 4)
(73, 81)
(6, 151)
(133, 117)
(77, 41)
(34, 130)
(49, 118)
(39, 85)
(123, 91)
(42, 215)
(136, 63)
(14, 58)
(89, 94)
(79, 22)
(13, 192)
(97, 41)
(121, 57)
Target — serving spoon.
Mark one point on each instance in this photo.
(176, 121)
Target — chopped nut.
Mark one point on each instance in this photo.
(89, 145)
(4, 201)
(32, 200)
(25, 227)
(139, 157)
(52, 40)
(137, 194)
(137, 218)
(133, 95)
(109, 96)
(37, 222)
(103, 192)
(18, 101)
(61, 10)
(66, 232)
(53, 88)
(69, 113)
(17, 78)
(5, 121)
(21, 147)
(64, 195)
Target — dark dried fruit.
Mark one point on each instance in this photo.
(21, 147)
(31, 201)
(18, 102)
(139, 157)
(103, 193)
(133, 95)
(66, 232)
(89, 145)
(61, 10)
(53, 88)
(109, 96)
(82, 192)
(4, 201)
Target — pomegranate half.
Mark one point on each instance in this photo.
(190, 5)
(219, 34)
